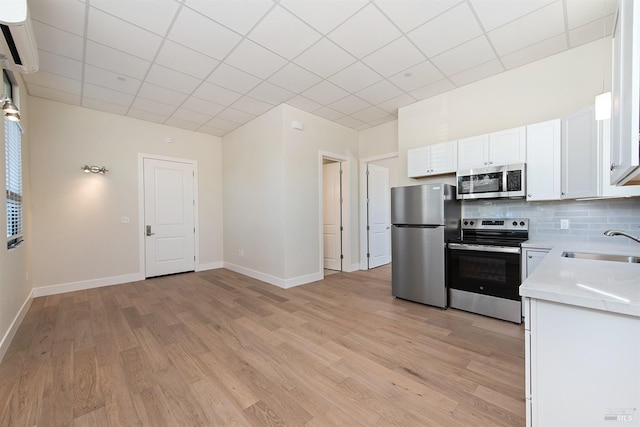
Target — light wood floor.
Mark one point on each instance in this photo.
(218, 348)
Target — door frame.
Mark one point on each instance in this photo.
(364, 262)
(346, 210)
(141, 212)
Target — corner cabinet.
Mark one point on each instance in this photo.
(493, 149)
(432, 159)
(544, 160)
(580, 171)
(625, 105)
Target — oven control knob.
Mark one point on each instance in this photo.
(466, 223)
(521, 223)
(471, 223)
(515, 223)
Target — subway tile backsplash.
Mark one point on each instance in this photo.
(588, 219)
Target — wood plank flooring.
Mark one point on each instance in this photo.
(219, 348)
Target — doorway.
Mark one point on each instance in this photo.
(378, 202)
(332, 215)
(169, 227)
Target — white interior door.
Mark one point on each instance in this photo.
(169, 217)
(378, 216)
(331, 214)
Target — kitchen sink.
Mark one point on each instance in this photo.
(602, 257)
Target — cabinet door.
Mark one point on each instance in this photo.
(604, 144)
(507, 146)
(531, 258)
(473, 152)
(580, 171)
(444, 157)
(543, 160)
(418, 163)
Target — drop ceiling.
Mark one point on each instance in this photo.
(213, 65)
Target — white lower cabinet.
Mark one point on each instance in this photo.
(582, 366)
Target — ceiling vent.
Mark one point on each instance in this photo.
(18, 43)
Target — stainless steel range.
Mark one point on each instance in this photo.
(484, 267)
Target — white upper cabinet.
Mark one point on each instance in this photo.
(495, 149)
(580, 173)
(432, 160)
(625, 112)
(543, 160)
(606, 189)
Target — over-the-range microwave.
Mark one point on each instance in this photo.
(493, 182)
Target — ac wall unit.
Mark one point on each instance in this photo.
(18, 41)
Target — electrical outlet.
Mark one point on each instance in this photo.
(564, 224)
(124, 219)
(241, 252)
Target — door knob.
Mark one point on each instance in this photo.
(149, 233)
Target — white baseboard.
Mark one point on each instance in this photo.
(209, 266)
(272, 280)
(11, 332)
(351, 268)
(86, 284)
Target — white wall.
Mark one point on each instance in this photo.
(77, 234)
(15, 287)
(379, 146)
(539, 91)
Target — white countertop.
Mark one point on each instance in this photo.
(603, 285)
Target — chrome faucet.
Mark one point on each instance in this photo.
(621, 233)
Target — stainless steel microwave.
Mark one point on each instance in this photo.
(494, 182)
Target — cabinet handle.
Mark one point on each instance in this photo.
(486, 163)
(612, 167)
(490, 163)
(529, 195)
(530, 256)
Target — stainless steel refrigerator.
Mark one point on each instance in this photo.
(423, 218)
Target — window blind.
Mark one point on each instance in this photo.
(13, 167)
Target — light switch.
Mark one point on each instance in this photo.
(124, 219)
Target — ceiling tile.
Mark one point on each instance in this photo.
(581, 12)
(153, 107)
(202, 34)
(294, 78)
(535, 52)
(370, 114)
(468, 55)
(349, 121)
(328, 113)
(349, 104)
(186, 60)
(146, 116)
(591, 32)
(138, 12)
(495, 13)
(192, 116)
(391, 106)
(363, 127)
(100, 93)
(94, 104)
(527, 30)
(197, 104)
(54, 81)
(365, 32)
(223, 124)
(408, 14)
(68, 18)
(53, 94)
(161, 94)
(240, 16)
(270, 93)
(57, 41)
(254, 59)
(217, 94)
(251, 105)
(477, 73)
(303, 103)
(61, 65)
(432, 89)
(382, 120)
(379, 92)
(175, 80)
(325, 93)
(114, 60)
(121, 35)
(212, 131)
(111, 80)
(183, 124)
(417, 76)
(355, 77)
(236, 116)
(324, 58)
(323, 15)
(275, 33)
(234, 79)
(394, 57)
(450, 29)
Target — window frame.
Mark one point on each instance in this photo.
(14, 194)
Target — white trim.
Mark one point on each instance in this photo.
(392, 155)
(209, 266)
(352, 268)
(272, 280)
(141, 224)
(86, 284)
(13, 328)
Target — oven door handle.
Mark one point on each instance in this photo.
(483, 248)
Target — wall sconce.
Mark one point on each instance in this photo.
(9, 109)
(94, 169)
